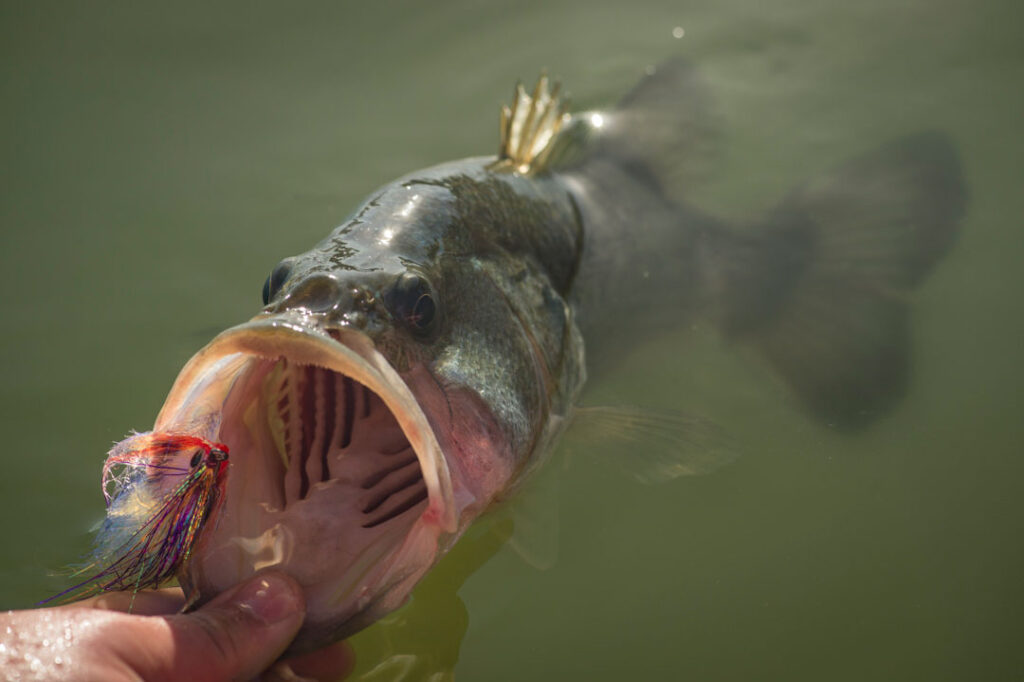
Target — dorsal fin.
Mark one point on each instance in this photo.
(528, 128)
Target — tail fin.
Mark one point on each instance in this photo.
(821, 286)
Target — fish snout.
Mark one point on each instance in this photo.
(338, 303)
(316, 293)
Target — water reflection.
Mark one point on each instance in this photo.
(422, 640)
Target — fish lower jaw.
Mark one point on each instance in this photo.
(324, 486)
(328, 483)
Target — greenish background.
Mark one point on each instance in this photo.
(160, 158)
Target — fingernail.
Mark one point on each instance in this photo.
(270, 597)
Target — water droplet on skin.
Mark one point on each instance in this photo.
(58, 661)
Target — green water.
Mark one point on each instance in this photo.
(159, 159)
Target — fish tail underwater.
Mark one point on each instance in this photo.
(821, 287)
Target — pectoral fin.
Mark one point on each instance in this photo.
(652, 446)
(533, 516)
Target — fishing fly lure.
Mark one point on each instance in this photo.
(161, 489)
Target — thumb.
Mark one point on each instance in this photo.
(239, 634)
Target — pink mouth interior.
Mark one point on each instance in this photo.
(323, 484)
(337, 435)
(336, 475)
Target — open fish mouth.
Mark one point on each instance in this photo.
(336, 474)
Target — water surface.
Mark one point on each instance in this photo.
(159, 160)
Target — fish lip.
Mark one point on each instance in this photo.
(300, 337)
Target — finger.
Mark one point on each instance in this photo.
(239, 634)
(325, 665)
(146, 603)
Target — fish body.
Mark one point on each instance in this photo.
(411, 370)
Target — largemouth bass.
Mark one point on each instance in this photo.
(414, 368)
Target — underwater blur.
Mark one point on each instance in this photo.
(160, 161)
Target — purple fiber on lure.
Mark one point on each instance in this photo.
(158, 500)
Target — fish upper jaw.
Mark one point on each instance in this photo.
(342, 474)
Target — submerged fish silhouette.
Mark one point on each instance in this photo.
(416, 365)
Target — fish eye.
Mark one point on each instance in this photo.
(276, 279)
(423, 312)
(415, 303)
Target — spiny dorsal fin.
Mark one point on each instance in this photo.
(528, 128)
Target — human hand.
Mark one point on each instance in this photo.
(237, 636)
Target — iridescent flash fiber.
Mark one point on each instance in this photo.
(161, 489)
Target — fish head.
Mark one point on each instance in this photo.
(403, 375)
